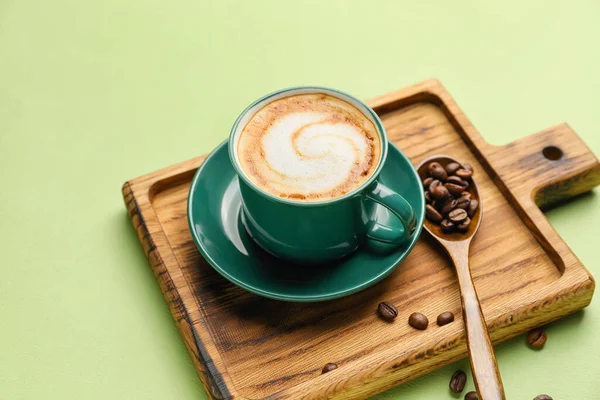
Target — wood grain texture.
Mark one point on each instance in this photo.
(245, 346)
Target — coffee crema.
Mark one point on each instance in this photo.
(309, 147)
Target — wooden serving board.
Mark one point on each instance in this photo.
(246, 346)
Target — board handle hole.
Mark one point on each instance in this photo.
(552, 153)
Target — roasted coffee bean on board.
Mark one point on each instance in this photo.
(328, 368)
(418, 321)
(387, 311)
(445, 318)
(458, 381)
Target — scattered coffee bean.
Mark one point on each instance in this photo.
(543, 397)
(446, 191)
(457, 215)
(464, 226)
(463, 202)
(433, 166)
(464, 173)
(458, 381)
(328, 368)
(537, 338)
(435, 183)
(448, 206)
(455, 190)
(427, 182)
(452, 167)
(440, 193)
(447, 226)
(433, 214)
(428, 198)
(445, 318)
(471, 396)
(387, 311)
(418, 321)
(472, 208)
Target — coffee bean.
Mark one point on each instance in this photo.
(439, 173)
(543, 397)
(464, 226)
(455, 190)
(418, 321)
(427, 182)
(471, 396)
(387, 311)
(472, 208)
(463, 202)
(428, 198)
(440, 193)
(433, 166)
(435, 183)
(328, 368)
(537, 338)
(445, 317)
(457, 215)
(457, 181)
(449, 205)
(458, 381)
(464, 173)
(447, 226)
(468, 167)
(465, 194)
(452, 167)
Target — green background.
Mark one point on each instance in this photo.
(93, 93)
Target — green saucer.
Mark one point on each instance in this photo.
(214, 206)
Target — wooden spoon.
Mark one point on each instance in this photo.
(481, 353)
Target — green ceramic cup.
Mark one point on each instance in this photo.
(316, 232)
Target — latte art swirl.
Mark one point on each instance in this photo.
(309, 147)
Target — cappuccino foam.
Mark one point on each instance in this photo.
(309, 147)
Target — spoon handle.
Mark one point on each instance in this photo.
(481, 353)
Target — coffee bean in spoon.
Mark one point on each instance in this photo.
(465, 194)
(464, 226)
(456, 180)
(468, 167)
(458, 215)
(448, 206)
(454, 189)
(452, 167)
(447, 226)
(433, 214)
(428, 198)
(435, 183)
(464, 173)
(440, 193)
(472, 208)
(463, 202)
(418, 321)
(433, 166)
(427, 182)
(458, 381)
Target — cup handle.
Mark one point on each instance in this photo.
(398, 205)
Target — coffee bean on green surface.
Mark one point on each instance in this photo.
(537, 338)
(458, 381)
(387, 311)
(449, 202)
(445, 318)
(418, 321)
(471, 396)
(543, 397)
(328, 368)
